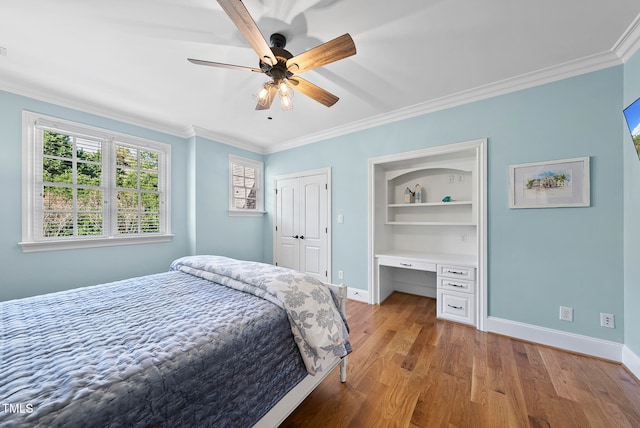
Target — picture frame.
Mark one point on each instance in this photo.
(632, 116)
(550, 184)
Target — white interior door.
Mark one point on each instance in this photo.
(313, 226)
(287, 243)
(301, 240)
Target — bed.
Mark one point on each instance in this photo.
(212, 342)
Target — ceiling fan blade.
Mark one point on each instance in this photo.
(223, 65)
(268, 99)
(333, 50)
(240, 16)
(313, 91)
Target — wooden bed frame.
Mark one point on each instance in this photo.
(292, 400)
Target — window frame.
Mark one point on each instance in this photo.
(259, 167)
(33, 125)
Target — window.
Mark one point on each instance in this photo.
(246, 192)
(87, 187)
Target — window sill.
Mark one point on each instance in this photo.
(246, 213)
(72, 244)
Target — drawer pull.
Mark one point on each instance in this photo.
(406, 264)
(451, 284)
(455, 307)
(455, 272)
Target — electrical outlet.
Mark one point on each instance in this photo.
(340, 274)
(566, 313)
(607, 320)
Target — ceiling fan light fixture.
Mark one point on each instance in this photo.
(263, 93)
(283, 88)
(285, 101)
(286, 95)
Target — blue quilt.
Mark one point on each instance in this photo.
(317, 326)
(172, 349)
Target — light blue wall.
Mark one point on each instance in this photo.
(215, 231)
(37, 273)
(542, 258)
(537, 259)
(200, 221)
(631, 214)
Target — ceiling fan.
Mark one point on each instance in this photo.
(280, 65)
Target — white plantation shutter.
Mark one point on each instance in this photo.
(87, 187)
(246, 191)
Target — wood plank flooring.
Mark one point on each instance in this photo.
(410, 370)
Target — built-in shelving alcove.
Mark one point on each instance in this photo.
(434, 242)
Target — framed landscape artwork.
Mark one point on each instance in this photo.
(551, 184)
(632, 114)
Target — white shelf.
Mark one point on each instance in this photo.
(445, 213)
(430, 223)
(429, 204)
(447, 179)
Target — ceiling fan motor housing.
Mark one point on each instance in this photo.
(278, 40)
(279, 70)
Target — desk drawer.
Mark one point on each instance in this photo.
(456, 307)
(460, 272)
(454, 284)
(406, 264)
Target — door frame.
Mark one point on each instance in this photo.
(300, 174)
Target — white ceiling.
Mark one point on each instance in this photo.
(126, 59)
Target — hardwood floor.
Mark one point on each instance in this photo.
(410, 370)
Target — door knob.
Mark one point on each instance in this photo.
(301, 236)
(296, 237)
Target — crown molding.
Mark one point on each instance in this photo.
(225, 139)
(623, 49)
(53, 97)
(524, 81)
(629, 43)
(87, 107)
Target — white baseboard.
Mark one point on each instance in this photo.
(358, 294)
(559, 339)
(631, 361)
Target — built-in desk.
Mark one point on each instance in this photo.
(449, 278)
